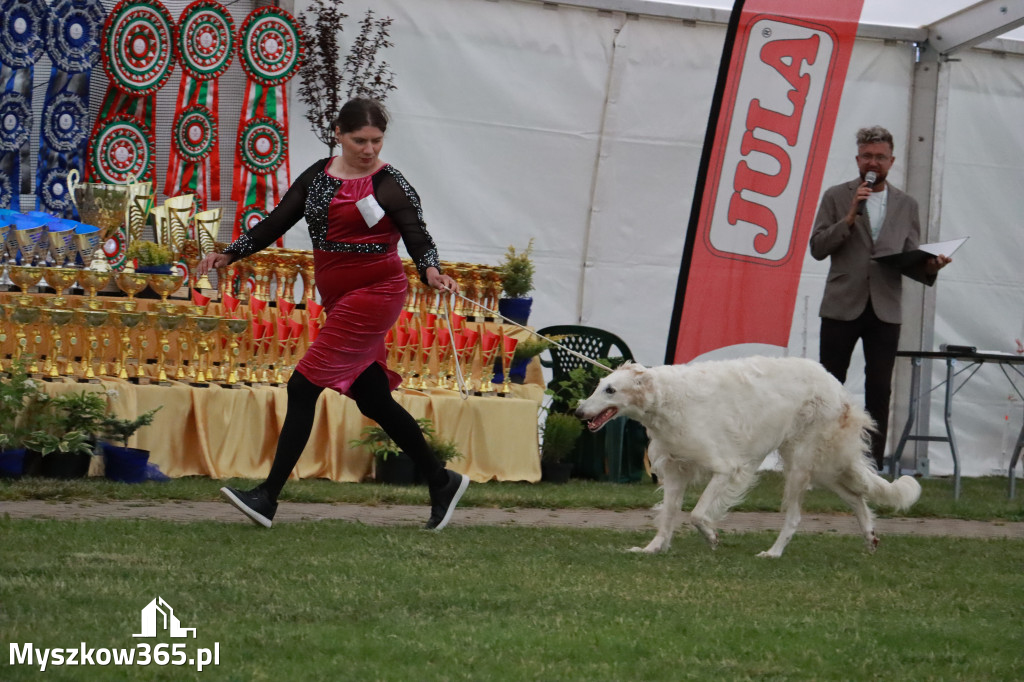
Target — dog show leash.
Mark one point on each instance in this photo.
(458, 368)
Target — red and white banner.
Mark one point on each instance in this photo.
(771, 124)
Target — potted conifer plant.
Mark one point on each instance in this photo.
(122, 463)
(393, 466)
(516, 275)
(150, 257)
(560, 433)
(525, 352)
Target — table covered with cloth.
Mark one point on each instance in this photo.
(232, 432)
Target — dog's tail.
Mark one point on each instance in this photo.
(899, 494)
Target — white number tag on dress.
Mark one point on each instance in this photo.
(370, 210)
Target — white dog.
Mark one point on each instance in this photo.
(723, 418)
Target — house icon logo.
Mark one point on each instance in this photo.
(159, 613)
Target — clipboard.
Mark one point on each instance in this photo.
(914, 257)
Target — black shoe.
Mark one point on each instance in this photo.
(255, 503)
(443, 500)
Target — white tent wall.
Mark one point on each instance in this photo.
(980, 300)
(660, 90)
(583, 129)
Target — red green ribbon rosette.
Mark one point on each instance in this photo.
(138, 55)
(206, 44)
(271, 51)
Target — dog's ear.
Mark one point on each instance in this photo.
(634, 368)
(641, 377)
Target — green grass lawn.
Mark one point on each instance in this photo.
(980, 499)
(342, 601)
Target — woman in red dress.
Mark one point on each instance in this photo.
(357, 208)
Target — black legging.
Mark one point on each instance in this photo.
(372, 394)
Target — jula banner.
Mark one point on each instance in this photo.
(770, 127)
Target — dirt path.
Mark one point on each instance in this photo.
(393, 515)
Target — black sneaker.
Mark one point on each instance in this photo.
(255, 503)
(443, 500)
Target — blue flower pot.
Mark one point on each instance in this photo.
(156, 269)
(515, 309)
(12, 463)
(126, 465)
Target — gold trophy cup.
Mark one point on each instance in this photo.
(92, 281)
(60, 279)
(179, 213)
(58, 318)
(93, 319)
(8, 244)
(32, 242)
(88, 240)
(62, 246)
(131, 283)
(100, 204)
(207, 226)
(126, 320)
(165, 323)
(140, 203)
(25, 277)
(162, 225)
(204, 327)
(235, 328)
(23, 315)
(165, 285)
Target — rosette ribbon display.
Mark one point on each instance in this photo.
(271, 53)
(22, 41)
(73, 44)
(138, 56)
(206, 45)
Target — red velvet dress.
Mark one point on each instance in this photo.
(358, 270)
(362, 294)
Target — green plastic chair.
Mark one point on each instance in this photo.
(616, 452)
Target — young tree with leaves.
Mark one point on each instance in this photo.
(328, 81)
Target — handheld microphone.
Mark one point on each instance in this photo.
(869, 178)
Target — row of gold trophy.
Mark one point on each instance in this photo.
(425, 351)
(436, 331)
(169, 342)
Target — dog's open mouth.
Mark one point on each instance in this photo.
(600, 420)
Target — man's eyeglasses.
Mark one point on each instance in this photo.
(880, 158)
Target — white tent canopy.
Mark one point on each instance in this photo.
(581, 125)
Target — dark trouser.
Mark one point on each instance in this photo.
(881, 341)
(372, 394)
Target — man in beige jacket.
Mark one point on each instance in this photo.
(857, 221)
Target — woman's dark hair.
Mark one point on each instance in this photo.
(358, 113)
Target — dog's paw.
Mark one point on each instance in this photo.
(872, 544)
(655, 546)
(769, 554)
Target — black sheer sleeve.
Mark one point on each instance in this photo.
(284, 216)
(401, 203)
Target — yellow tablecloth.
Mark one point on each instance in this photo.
(225, 432)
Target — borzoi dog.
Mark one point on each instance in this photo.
(723, 418)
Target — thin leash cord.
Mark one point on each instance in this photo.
(458, 368)
(459, 379)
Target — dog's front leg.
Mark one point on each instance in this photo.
(675, 481)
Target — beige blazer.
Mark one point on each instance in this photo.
(853, 277)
